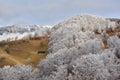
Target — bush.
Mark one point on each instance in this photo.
(7, 48)
(16, 73)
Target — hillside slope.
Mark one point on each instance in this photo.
(84, 47)
(23, 52)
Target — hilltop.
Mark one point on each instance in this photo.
(83, 47)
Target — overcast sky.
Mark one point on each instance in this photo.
(50, 12)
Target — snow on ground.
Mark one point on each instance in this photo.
(19, 32)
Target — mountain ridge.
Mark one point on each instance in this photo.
(13, 32)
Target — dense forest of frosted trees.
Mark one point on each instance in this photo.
(75, 53)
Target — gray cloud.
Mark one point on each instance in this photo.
(17, 10)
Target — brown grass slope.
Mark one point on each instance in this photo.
(23, 52)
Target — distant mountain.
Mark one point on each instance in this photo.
(16, 32)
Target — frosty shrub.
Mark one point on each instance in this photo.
(53, 61)
(93, 46)
(58, 66)
(114, 42)
(97, 67)
(60, 74)
(16, 73)
(7, 48)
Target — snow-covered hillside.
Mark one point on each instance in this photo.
(78, 30)
(86, 22)
(18, 32)
(76, 52)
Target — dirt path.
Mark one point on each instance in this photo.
(4, 54)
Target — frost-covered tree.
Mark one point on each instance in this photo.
(53, 61)
(60, 74)
(97, 67)
(16, 73)
(86, 21)
(69, 41)
(93, 46)
(114, 42)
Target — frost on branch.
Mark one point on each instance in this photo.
(16, 73)
(97, 67)
(114, 42)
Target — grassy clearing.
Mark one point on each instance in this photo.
(24, 52)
